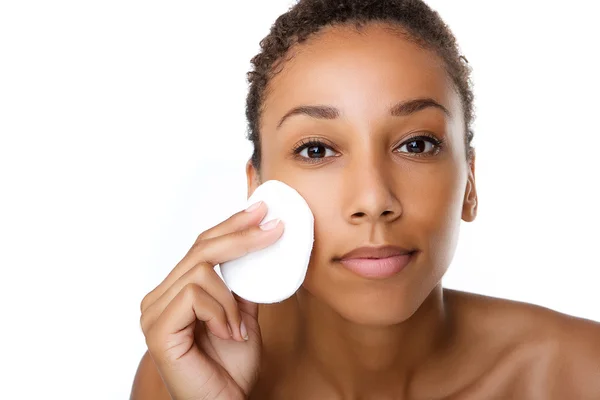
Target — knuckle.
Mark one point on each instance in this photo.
(190, 291)
(145, 302)
(198, 247)
(200, 273)
(147, 322)
(221, 314)
(144, 324)
(245, 233)
(202, 236)
(245, 240)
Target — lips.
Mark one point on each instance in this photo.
(377, 262)
(376, 252)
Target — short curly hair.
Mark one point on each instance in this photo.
(422, 24)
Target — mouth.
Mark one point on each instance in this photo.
(377, 262)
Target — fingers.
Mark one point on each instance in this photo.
(192, 303)
(237, 222)
(216, 251)
(237, 244)
(205, 277)
(171, 335)
(204, 255)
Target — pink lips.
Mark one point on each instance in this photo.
(377, 262)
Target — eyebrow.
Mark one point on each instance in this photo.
(401, 109)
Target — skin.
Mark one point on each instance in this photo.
(343, 336)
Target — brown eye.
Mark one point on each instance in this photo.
(315, 151)
(417, 146)
(420, 145)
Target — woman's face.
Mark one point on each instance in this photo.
(352, 152)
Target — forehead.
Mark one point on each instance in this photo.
(361, 72)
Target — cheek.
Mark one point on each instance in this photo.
(435, 212)
(324, 200)
(435, 200)
(322, 192)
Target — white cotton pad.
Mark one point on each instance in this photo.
(275, 273)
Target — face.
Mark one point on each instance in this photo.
(375, 169)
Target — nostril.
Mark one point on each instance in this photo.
(359, 214)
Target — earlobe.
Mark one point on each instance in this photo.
(252, 178)
(469, 212)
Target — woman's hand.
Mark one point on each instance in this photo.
(204, 340)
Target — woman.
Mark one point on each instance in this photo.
(365, 107)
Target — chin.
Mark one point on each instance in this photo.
(375, 309)
(368, 302)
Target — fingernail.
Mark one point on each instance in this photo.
(254, 206)
(244, 331)
(230, 331)
(267, 226)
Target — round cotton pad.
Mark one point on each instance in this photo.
(275, 273)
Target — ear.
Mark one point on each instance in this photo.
(469, 211)
(252, 178)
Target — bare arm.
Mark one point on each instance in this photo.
(147, 384)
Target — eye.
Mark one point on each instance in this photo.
(421, 145)
(314, 149)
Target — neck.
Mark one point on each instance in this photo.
(353, 360)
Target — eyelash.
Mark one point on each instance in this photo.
(315, 142)
(307, 143)
(437, 143)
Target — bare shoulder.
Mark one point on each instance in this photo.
(574, 364)
(559, 353)
(148, 384)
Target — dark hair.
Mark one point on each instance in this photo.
(423, 25)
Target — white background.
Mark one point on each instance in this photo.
(123, 137)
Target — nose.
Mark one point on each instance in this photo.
(371, 195)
